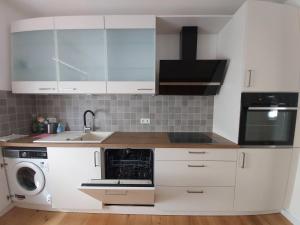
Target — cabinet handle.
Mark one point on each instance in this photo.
(144, 89)
(46, 89)
(243, 158)
(194, 192)
(95, 159)
(200, 166)
(249, 78)
(69, 89)
(191, 152)
(116, 193)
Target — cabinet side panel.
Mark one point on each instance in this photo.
(230, 45)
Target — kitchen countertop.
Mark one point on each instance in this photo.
(128, 140)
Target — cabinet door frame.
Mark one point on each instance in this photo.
(4, 193)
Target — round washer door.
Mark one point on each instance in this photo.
(29, 178)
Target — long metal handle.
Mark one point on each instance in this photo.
(69, 89)
(194, 192)
(107, 192)
(95, 159)
(201, 166)
(192, 152)
(249, 78)
(272, 108)
(46, 89)
(144, 89)
(243, 160)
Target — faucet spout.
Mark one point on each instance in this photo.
(85, 128)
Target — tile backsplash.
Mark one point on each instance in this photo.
(16, 113)
(123, 112)
(113, 112)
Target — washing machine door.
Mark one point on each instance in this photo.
(29, 179)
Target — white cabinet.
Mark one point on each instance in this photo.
(4, 192)
(68, 169)
(272, 47)
(81, 54)
(262, 177)
(130, 54)
(33, 56)
(190, 179)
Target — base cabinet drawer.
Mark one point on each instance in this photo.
(195, 154)
(195, 173)
(121, 195)
(194, 198)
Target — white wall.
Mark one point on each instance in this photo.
(7, 15)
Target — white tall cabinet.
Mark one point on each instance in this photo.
(262, 176)
(4, 192)
(262, 44)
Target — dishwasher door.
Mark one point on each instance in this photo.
(127, 177)
(120, 192)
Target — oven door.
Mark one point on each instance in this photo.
(120, 192)
(267, 126)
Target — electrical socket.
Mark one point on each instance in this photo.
(145, 121)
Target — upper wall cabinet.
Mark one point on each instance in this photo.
(272, 47)
(33, 56)
(130, 54)
(81, 54)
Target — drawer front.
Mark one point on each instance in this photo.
(194, 198)
(195, 173)
(121, 195)
(195, 154)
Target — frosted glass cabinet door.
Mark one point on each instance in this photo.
(81, 57)
(33, 55)
(131, 58)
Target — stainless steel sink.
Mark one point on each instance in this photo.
(76, 137)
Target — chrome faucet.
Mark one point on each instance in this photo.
(85, 128)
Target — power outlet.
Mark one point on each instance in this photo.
(145, 120)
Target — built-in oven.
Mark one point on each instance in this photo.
(127, 177)
(268, 119)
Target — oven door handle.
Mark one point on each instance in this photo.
(272, 108)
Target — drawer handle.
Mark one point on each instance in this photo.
(46, 89)
(116, 193)
(144, 89)
(69, 89)
(194, 192)
(201, 166)
(191, 152)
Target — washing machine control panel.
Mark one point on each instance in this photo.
(33, 154)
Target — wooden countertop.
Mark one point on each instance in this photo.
(129, 140)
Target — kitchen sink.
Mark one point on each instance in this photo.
(76, 137)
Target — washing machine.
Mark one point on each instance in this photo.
(27, 171)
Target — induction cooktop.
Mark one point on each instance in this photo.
(190, 137)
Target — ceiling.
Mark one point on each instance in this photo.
(156, 7)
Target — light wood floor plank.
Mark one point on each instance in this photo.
(18, 216)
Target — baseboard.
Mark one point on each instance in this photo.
(287, 214)
(8, 208)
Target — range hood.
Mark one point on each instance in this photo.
(189, 76)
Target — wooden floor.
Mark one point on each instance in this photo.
(19, 216)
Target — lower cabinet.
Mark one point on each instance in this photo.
(4, 192)
(262, 176)
(68, 169)
(195, 198)
(195, 180)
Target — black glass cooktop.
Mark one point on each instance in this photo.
(190, 137)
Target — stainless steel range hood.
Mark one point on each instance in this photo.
(189, 76)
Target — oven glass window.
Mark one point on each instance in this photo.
(267, 126)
